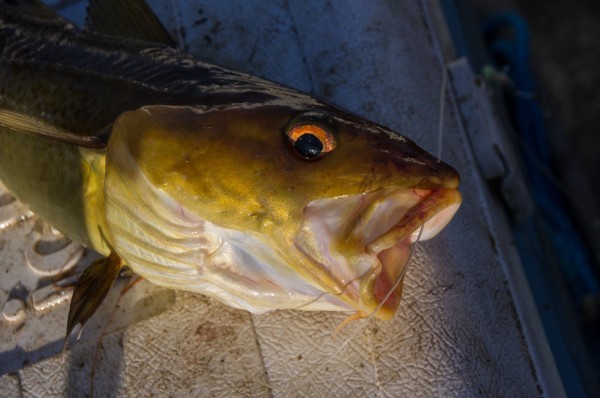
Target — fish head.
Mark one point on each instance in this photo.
(313, 202)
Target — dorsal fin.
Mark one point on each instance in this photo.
(35, 9)
(127, 18)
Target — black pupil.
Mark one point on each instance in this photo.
(308, 145)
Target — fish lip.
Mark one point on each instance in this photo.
(433, 206)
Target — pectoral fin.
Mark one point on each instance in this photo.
(91, 289)
(32, 125)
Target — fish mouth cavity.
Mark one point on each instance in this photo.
(362, 242)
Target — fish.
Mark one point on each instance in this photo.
(205, 179)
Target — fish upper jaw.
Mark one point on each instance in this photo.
(363, 242)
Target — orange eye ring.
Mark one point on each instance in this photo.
(311, 140)
(323, 135)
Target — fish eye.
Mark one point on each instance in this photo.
(310, 136)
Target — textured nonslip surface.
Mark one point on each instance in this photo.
(463, 328)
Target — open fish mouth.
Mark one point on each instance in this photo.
(362, 242)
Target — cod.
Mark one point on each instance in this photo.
(204, 179)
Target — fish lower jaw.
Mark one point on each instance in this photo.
(360, 244)
(381, 289)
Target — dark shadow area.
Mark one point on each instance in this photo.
(95, 367)
(15, 359)
(540, 62)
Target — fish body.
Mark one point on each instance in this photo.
(206, 179)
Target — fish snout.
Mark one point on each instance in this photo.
(401, 163)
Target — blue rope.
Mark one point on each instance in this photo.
(527, 117)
